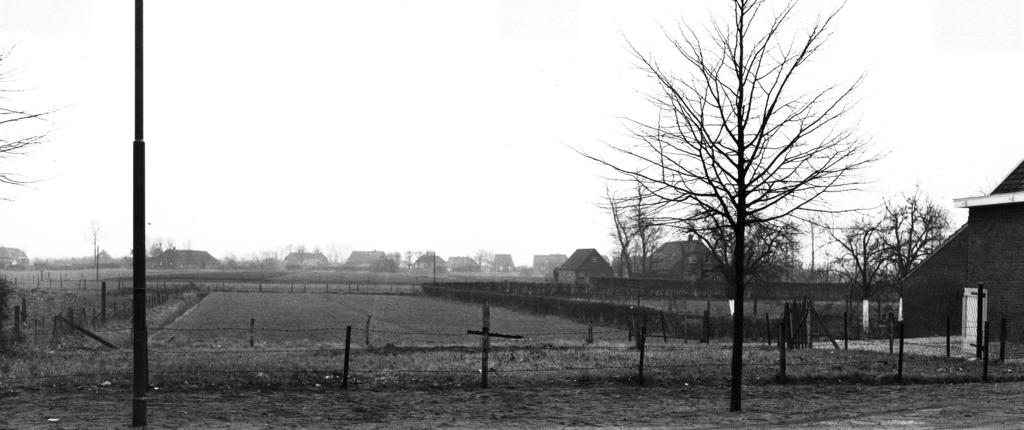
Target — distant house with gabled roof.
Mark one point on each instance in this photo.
(182, 259)
(582, 265)
(502, 263)
(305, 260)
(684, 260)
(371, 261)
(13, 258)
(463, 264)
(545, 265)
(430, 262)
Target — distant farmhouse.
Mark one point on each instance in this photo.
(683, 260)
(503, 263)
(545, 265)
(182, 259)
(430, 262)
(371, 261)
(582, 265)
(305, 261)
(463, 264)
(13, 258)
(989, 249)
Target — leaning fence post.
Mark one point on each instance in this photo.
(344, 371)
(899, 368)
(590, 331)
(1003, 339)
(643, 342)
(664, 330)
(252, 332)
(782, 349)
(367, 332)
(984, 366)
(486, 343)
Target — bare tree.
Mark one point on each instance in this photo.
(648, 232)
(862, 260)
(19, 129)
(914, 227)
(622, 232)
(484, 258)
(738, 139)
(94, 236)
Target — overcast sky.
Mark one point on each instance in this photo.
(397, 125)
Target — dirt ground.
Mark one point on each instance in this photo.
(613, 405)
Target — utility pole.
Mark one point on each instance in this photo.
(140, 353)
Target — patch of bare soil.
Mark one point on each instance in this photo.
(613, 405)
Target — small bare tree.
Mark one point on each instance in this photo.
(484, 258)
(648, 232)
(622, 232)
(738, 139)
(914, 227)
(862, 260)
(95, 228)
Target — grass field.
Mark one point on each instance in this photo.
(290, 319)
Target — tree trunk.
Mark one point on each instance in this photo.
(865, 327)
(737, 315)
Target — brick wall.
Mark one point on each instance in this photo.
(996, 257)
(934, 291)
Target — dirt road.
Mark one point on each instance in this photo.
(613, 405)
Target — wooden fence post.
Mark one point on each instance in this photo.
(1003, 339)
(899, 368)
(984, 366)
(24, 309)
(344, 372)
(486, 343)
(252, 332)
(978, 321)
(103, 302)
(590, 331)
(643, 344)
(17, 322)
(367, 332)
(846, 331)
(890, 332)
(664, 329)
(707, 327)
(782, 347)
(768, 328)
(948, 330)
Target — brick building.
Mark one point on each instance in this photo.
(582, 265)
(989, 249)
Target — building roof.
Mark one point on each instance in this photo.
(12, 253)
(425, 259)
(299, 257)
(364, 257)
(1010, 191)
(462, 262)
(502, 259)
(185, 257)
(579, 258)
(1013, 183)
(937, 249)
(549, 260)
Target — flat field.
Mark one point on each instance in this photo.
(223, 318)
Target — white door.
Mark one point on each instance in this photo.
(969, 324)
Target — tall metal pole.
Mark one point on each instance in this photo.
(140, 379)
